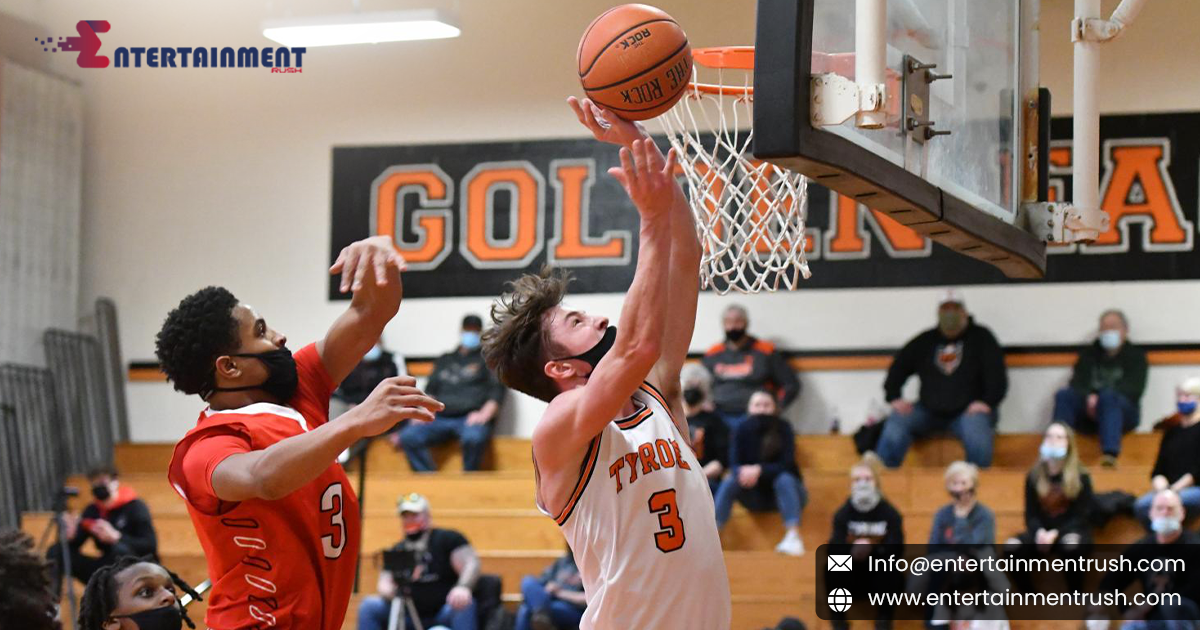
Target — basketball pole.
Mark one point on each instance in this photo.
(870, 58)
(1088, 32)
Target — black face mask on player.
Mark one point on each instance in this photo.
(595, 353)
(282, 379)
(165, 618)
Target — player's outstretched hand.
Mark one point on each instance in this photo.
(647, 177)
(605, 125)
(394, 400)
(370, 254)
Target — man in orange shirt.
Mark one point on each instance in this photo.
(275, 514)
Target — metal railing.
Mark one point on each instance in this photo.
(77, 363)
(35, 446)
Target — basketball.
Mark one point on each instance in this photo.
(634, 60)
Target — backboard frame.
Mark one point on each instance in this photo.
(782, 89)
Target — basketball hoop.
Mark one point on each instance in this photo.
(750, 214)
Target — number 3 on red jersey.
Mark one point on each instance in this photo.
(333, 545)
(670, 537)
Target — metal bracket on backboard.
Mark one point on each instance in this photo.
(917, 79)
(835, 99)
(1058, 222)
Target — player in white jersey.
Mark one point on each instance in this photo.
(611, 454)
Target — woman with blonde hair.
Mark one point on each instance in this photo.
(1058, 501)
(867, 525)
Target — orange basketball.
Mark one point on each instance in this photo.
(634, 60)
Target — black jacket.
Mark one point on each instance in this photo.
(365, 376)
(131, 517)
(883, 524)
(463, 383)
(1055, 510)
(953, 373)
(1126, 372)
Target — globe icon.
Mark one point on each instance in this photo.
(839, 600)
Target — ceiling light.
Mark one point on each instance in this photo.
(362, 28)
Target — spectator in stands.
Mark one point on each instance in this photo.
(1058, 500)
(961, 368)
(710, 434)
(27, 598)
(134, 594)
(440, 585)
(117, 522)
(376, 365)
(1169, 541)
(555, 600)
(866, 525)
(742, 365)
(962, 528)
(763, 471)
(964, 521)
(1106, 387)
(1177, 466)
(472, 396)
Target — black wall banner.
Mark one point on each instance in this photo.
(469, 217)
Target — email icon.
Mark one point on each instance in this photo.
(837, 562)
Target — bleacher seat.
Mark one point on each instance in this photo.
(495, 510)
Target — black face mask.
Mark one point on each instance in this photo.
(959, 495)
(165, 618)
(282, 379)
(100, 491)
(693, 396)
(595, 353)
(735, 335)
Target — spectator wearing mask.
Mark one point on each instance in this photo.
(472, 395)
(866, 525)
(1105, 393)
(763, 472)
(440, 585)
(1177, 467)
(116, 521)
(962, 528)
(555, 600)
(1161, 551)
(961, 368)
(742, 365)
(1058, 502)
(710, 434)
(963, 521)
(27, 598)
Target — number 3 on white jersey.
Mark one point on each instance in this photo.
(336, 519)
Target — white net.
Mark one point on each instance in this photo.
(750, 214)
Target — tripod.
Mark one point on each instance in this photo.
(403, 603)
(64, 549)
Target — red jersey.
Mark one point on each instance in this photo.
(285, 564)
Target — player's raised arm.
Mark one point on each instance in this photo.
(370, 268)
(577, 416)
(684, 283)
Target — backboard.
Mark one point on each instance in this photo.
(963, 138)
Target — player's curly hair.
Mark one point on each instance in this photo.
(26, 596)
(194, 334)
(100, 596)
(517, 346)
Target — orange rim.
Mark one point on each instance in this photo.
(723, 58)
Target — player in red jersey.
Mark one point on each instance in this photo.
(275, 513)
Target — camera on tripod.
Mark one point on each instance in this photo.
(402, 563)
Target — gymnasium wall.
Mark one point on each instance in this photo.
(223, 177)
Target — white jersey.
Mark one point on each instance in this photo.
(641, 524)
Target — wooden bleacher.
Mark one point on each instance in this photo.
(495, 511)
